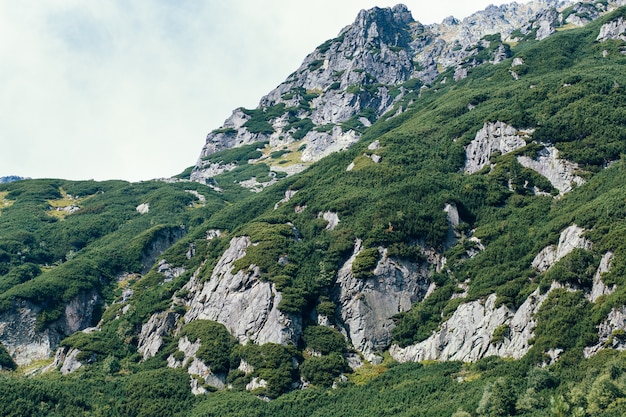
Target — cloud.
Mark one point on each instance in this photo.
(128, 89)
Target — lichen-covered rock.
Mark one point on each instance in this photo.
(560, 172)
(366, 306)
(571, 238)
(247, 306)
(493, 137)
(468, 335)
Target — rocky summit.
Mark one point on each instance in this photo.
(421, 220)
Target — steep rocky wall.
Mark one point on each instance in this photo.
(493, 137)
(611, 332)
(366, 306)
(571, 238)
(467, 336)
(25, 342)
(560, 172)
(364, 69)
(247, 306)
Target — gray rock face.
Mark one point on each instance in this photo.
(599, 287)
(288, 196)
(163, 240)
(493, 137)
(583, 13)
(452, 213)
(545, 23)
(247, 306)
(360, 74)
(152, 332)
(560, 172)
(367, 306)
(467, 335)
(615, 29)
(197, 369)
(25, 344)
(610, 332)
(571, 238)
(71, 362)
(331, 217)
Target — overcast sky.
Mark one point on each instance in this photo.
(128, 89)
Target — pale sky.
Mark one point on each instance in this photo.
(128, 89)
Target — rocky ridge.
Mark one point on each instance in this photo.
(352, 80)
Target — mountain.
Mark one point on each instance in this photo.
(421, 220)
(10, 178)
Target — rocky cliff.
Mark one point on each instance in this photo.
(350, 81)
(22, 335)
(367, 306)
(247, 306)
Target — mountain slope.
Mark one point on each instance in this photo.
(484, 219)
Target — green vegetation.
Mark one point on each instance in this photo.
(490, 387)
(6, 362)
(216, 343)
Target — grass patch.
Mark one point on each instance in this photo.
(57, 206)
(4, 202)
(361, 162)
(370, 371)
(568, 26)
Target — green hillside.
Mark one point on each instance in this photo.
(571, 91)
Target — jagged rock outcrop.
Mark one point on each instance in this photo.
(611, 332)
(70, 362)
(493, 137)
(366, 306)
(26, 342)
(199, 372)
(570, 239)
(152, 332)
(599, 287)
(359, 76)
(615, 29)
(331, 217)
(582, 13)
(468, 335)
(247, 306)
(560, 172)
(545, 23)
